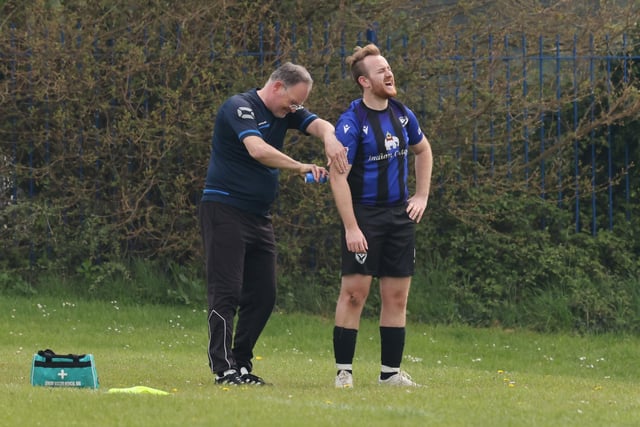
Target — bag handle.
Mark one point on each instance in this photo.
(49, 354)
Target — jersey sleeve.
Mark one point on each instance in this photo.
(241, 117)
(301, 120)
(348, 133)
(414, 132)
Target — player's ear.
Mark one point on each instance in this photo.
(363, 81)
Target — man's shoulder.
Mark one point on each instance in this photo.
(349, 121)
(242, 99)
(242, 105)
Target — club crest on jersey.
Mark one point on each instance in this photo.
(391, 142)
(361, 258)
(245, 113)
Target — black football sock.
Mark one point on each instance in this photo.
(344, 345)
(391, 350)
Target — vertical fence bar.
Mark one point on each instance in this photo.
(474, 106)
(79, 67)
(525, 113)
(542, 115)
(130, 145)
(47, 107)
(325, 52)
(261, 45)
(31, 88)
(179, 29)
(492, 154)
(294, 42)
(147, 54)
(372, 34)
(32, 148)
(65, 127)
(424, 74)
(440, 79)
(309, 35)
(342, 51)
(508, 103)
(458, 60)
(404, 42)
(96, 115)
(610, 172)
(576, 143)
(559, 112)
(593, 143)
(163, 111)
(627, 183)
(405, 47)
(13, 177)
(47, 132)
(277, 43)
(111, 43)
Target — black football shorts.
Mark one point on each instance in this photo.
(390, 235)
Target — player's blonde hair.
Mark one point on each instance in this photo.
(355, 60)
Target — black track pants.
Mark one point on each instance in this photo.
(240, 257)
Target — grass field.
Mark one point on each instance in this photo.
(472, 377)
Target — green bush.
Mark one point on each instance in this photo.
(107, 113)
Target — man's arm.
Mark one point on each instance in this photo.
(274, 158)
(423, 168)
(356, 242)
(335, 151)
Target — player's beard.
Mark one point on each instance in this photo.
(381, 90)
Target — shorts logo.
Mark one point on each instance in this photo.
(245, 113)
(361, 258)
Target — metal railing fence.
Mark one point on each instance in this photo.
(539, 113)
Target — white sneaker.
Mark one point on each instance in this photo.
(344, 379)
(399, 379)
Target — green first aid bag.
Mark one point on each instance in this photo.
(63, 370)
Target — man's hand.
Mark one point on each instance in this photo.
(356, 242)
(336, 153)
(317, 171)
(415, 208)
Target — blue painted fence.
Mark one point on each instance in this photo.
(509, 137)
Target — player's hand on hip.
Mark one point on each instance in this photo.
(416, 206)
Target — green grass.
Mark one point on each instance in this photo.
(473, 377)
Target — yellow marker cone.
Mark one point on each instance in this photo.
(139, 389)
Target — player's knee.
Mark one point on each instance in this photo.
(397, 303)
(355, 299)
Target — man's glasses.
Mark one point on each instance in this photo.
(294, 106)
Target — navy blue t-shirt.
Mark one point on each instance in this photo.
(377, 144)
(233, 176)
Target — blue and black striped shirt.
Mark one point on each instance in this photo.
(377, 143)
